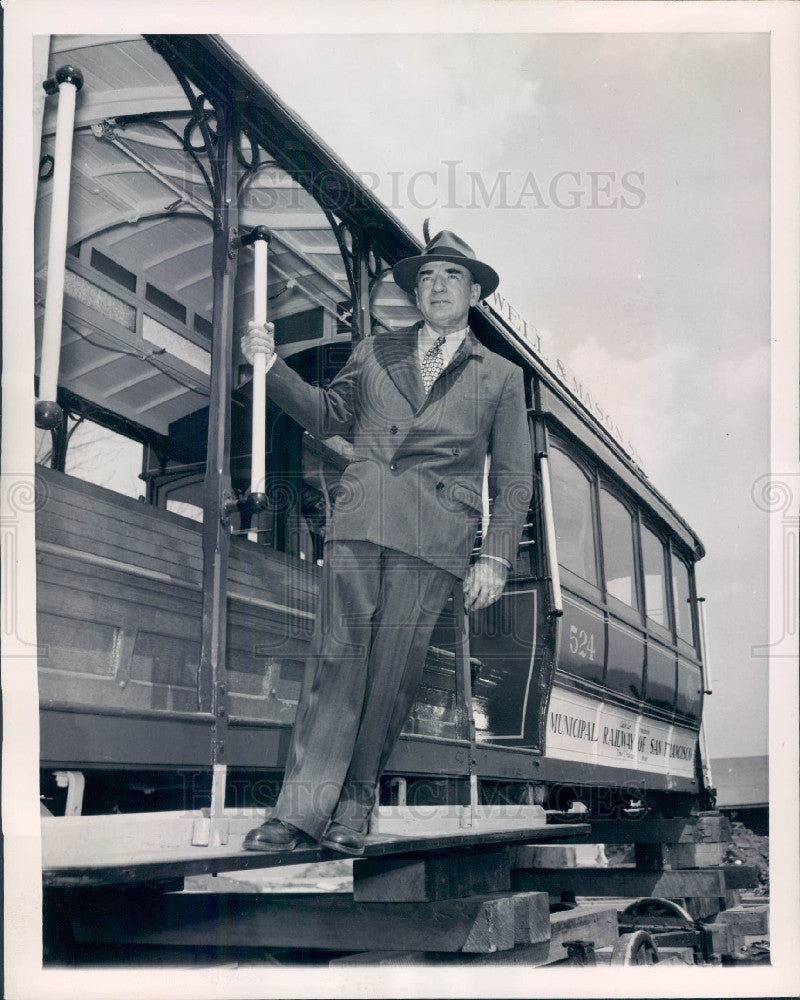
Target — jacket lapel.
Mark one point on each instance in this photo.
(469, 345)
(396, 353)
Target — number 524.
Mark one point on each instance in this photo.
(581, 643)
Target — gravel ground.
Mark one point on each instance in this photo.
(748, 848)
(327, 876)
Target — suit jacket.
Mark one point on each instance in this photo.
(415, 483)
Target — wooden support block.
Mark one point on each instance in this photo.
(583, 923)
(542, 856)
(693, 855)
(681, 830)
(532, 923)
(531, 917)
(595, 924)
(621, 882)
(660, 857)
(722, 942)
(739, 877)
(323, 921)
(746, 919)
(445, 876)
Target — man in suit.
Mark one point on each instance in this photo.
(424, 407)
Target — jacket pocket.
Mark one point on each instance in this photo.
(465, 494)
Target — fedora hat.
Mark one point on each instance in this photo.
(446, 246)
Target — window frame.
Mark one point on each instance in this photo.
(582, 587)
(665, 632)
(685, 647)
(626, 612)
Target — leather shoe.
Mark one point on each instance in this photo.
(275, 835)
(341, 838)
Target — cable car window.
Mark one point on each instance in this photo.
(190, 510)
(99, 455)
(655, 590)
(572, 511)
(682, 595)
(185, 499)
(618, 555)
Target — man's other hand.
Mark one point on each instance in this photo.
(484, 583)
(258, 338)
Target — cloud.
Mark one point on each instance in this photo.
(640, 392)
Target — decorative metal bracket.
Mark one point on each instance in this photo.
(246, 506)
(248, 239)
(65, 74)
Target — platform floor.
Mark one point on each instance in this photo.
(118, 856)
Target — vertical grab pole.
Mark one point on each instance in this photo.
(557, 605)
(705, 759)
(259, 239)
(463, 679)
(212, 673)
(66, 83)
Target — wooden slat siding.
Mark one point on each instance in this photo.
(146, 522)
(73, 589)
(255, 633)
(249, 565)
(100, 522)
(115, 603)
(117, 539)
(102, 540)
(128, 577)
(153, 631)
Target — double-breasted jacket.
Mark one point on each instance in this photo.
(416, 479)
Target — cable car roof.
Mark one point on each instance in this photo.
(139, 290)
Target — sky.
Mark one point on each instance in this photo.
(620, 185)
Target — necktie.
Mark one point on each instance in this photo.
(432, 363)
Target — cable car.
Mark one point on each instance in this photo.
(181, 522)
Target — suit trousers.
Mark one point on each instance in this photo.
(376, 613)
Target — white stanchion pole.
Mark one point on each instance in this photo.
(258, 238)
(550, 534)
(67, 83)
(258, 464)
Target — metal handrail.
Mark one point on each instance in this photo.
(556, 601)
(705, 759)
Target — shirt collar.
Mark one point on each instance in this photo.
(428, 336)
